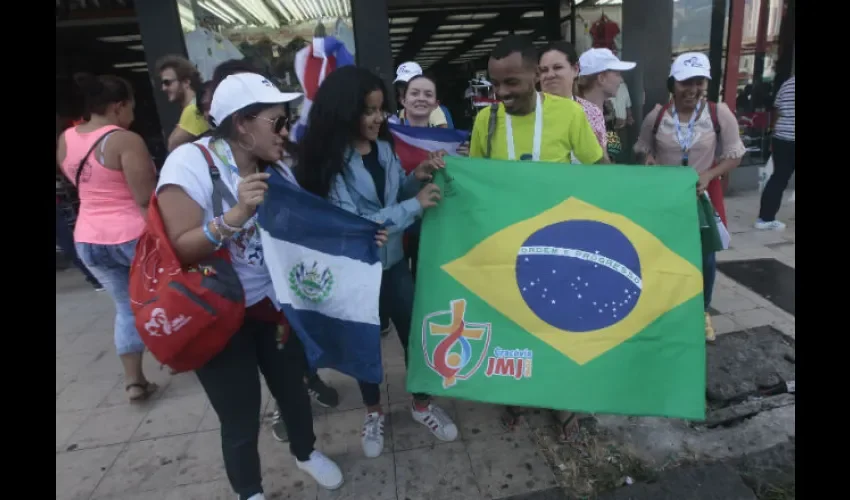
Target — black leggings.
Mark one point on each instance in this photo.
(784, 162)
(232, 384)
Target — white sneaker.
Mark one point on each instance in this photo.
(258, 496)
(437, 421)
(323, 470)
(773, 225)
(372, 437)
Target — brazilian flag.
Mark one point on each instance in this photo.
(566, 287)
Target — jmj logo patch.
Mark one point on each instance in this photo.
(160, 325)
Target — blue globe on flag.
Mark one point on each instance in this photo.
(579, 275)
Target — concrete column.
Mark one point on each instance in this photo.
(159, 25)
(648, 40)
(372, 40)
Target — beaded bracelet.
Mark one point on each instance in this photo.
(227, 226)
(216, 243)
(217, 229)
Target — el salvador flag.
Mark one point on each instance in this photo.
(326, 272)
(412, 144)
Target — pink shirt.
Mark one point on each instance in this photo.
(108, 214)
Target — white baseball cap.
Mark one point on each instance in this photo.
(595, 61)
(406, 71)
(244, 89)
(690, 65)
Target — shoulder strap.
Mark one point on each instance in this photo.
(86, 157)
(712, 110)
(491, 128)
(660, 117)
(220, 190)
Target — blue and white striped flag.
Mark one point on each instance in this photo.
(326, 272)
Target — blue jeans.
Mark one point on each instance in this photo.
(397, 302)
(709, 272)
(110, 264)
(65, 241)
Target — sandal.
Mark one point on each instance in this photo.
(512, 417)
(147, 388)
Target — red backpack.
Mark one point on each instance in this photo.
(185, 315)
(715, 187)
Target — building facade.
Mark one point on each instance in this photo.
(452, 37)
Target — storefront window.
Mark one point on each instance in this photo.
(692, 26)
(269, 33)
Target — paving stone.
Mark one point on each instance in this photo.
(508, 464)
(148, 465)
(711, 482)
(173, 416)
(724, 324)
(439, 472)
(203, 462)
(89, 342)
(84, 395)
(769, 278)
(78, 472)
(754, 318)
(107, 426)
(726, 301)
(66, 424)
(477, 420)
(216, 490)
(372, 478)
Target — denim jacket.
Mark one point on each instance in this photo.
(354, 191)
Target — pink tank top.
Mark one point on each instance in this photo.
(108, 214)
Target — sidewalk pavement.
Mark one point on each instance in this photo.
(168, 448)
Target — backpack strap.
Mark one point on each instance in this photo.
(712, 110)
(491, 128)
(220, 190)
(660, 117)
(86, 157)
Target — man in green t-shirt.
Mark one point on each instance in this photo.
(530, 125)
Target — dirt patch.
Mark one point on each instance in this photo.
(594, 461)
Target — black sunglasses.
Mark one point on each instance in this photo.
(278, 124)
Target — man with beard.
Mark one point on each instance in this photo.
(526, 124)
(180, 82)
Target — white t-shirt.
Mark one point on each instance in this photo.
(186, 167)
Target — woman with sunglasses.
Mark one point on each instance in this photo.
(250, 132)
(346, 156)
(325, 395)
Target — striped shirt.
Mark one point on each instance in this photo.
(784, 104)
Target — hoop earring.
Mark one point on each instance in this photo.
(247, 148)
